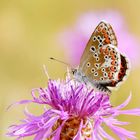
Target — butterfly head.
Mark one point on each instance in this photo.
(77, 74)
(73, 71)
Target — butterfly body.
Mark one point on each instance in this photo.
(101, 64)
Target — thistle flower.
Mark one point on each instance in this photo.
(76, 112)
(77, 36)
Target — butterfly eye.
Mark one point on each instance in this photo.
(74, 71)
(92, 49)
(92, 70)
(96, 74)
(88, 64)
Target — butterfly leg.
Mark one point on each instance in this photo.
(84, 79)
(103, 88)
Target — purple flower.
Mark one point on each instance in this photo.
(75, 38)
(74, 111)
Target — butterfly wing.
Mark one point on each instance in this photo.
(102, 35)
(101, 59)
(122, 73)
(101, 62)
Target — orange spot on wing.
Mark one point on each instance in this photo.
(113, 57)
(103, 31)
(107, 40)
(106, 51)
(110, 75)
(105, 35)
(102, 50)
(99, 29)
(112, 68)
(113, 62)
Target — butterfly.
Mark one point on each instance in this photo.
(101, 63)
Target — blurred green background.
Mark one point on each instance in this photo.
(28, 32)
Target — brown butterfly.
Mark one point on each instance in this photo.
(101, 64)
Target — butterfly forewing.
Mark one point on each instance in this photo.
(102, 35)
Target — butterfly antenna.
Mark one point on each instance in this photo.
(52, 58)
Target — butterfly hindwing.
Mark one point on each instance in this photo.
(122, 73)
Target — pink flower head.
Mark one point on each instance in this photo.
(75, 38)
(75, 112)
